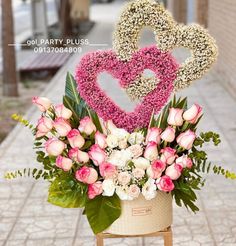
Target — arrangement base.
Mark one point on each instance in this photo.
(166, 234)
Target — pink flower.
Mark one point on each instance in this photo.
(62, 111)
(44, 125)
(175, 117)
(78, 155)
(100, 140)
(184, 161)
(87, 126)
(154, 135)
(168, 135)
(138, 173)
(75, 139)
(87, 175)
(133, 191)
(136, 150)
(95, 189)
(168, 155)
(43, 103)
(62, 126)
(107, 170)
(186, 139)
(54, 146)
(64, 163)
(156, 169)
(124, 178)
(151, 152)
(165, 184)
(174, 171)
(97, 154)
(193, 114)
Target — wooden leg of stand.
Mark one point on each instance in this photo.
(99, 239)
(168, 241)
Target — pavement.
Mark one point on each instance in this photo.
(27, 219)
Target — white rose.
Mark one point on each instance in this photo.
(141, 163)
(121, 134)
(112, 141)
(108, 187)
(136, 138)
(120, 157)
(123, 194)
(149, 189)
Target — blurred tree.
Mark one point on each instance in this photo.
(10, 83)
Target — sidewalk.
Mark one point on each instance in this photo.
(27, 219)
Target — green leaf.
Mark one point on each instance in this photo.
(71, 88)
(93, 115)
(102, 212)
(67, 192)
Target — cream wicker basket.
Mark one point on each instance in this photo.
(141, 216)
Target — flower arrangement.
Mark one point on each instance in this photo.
(93, 164)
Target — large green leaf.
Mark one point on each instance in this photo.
(102, 212)
(67, 192)
(71, 88)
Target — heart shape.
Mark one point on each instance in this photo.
(161, 63)
(169, 34)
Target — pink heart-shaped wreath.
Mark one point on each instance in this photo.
(161, 63)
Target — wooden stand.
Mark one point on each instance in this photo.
(166, 234)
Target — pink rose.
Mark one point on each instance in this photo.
(168, 155)
(154, 135)
(43, 103)
(75, 139)
(193, 114)
(100, 140)
(97, 154)
(44, 125)
(165, 184)
(151, 152)
(62, 111)
(133, 191)
(64, 163)
(175, 117)
(95, 189)
(138, 173)
(87, 126)
(156, 169)
(174, 171)
(107, 170)
(186, 139)
(54, 146)
(78, 155)
(62, 126)
(124, 178)
(168, 135)
(184, 161)
(87, 175)
(136, 150)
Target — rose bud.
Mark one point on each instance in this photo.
(54, 146)
(44, 125)
(100, 140)
(193, 114)
(62, 126)
(168, 155)
(75, 139)
(87, 175)
(174, 171)
(151, 152)
(186, 139)
(40, 134)
(168, 135)
(42, 103)
(78, 155)
(86, 126)
(154, 135)
(175, 117)
(64, 163)
(95, 189)
(97, 154)
(165, 184)
(62, 111)
(134, 191)
(138, 173)
(184, 161)
(156, 169)
(107, 170)
(124, 178)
